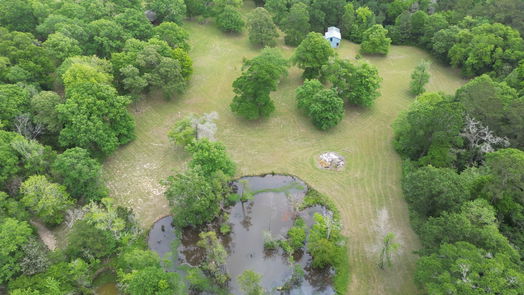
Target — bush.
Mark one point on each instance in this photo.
(296, 237)
(230, 20)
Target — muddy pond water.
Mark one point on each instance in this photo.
(271, 209)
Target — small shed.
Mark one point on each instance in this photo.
(333, 36)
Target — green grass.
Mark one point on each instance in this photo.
(287, 142)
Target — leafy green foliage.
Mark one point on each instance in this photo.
(429, 129)
(8, 156)
(306, 92)
(357, 83)
(45, 199)
(262, 30)
(153, 281)
(145, 65)
(430, 190)
(419, 78)
(23, 59)
(312, 53)
(43, 108)
(173, 34)
(487, 48)
(11, 208)
(14, 101)
(80, 174)
(168, 10)
(388, 249)
(230, 20)
(462, 268)
(259, 77)
(211, 157)
(356, 22)
(13, 234)
(105, 37)
(324, 106)
(95, 118)
(503, 188)
(215, 257)
(326, 109)
(196, 197)
(496, 105)
(296, 24)
(60, 47)
(375, 41)
(323, 242)
(249, 282)
(18, 15)
(183, 133)
(325, 13)
(475, 223)
(297, 235)
(135, 23)
(88, 242)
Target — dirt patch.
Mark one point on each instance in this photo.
(47, 237)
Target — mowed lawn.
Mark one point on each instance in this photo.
(367, 192)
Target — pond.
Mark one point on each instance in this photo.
(271, 209)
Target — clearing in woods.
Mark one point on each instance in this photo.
(367, 191)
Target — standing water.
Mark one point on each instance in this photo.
(272, 209)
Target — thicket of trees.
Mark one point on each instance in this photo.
(68, 72)
(463, 175)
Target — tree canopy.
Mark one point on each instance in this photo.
(259, 77)
(312, 53)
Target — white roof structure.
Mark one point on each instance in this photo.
(333, 32)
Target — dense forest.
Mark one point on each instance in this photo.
(71, 70)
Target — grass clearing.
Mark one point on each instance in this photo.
(287, 142)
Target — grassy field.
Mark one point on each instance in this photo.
(367, 192)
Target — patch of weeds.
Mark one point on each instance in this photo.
(284, 244)
(314, 198)
(282, 189)
(296, 235)
(296, 277)
(232, 199)
(269, 242)
(199, 282)
(225, 228)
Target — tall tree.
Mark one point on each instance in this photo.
(496, 105)
(357, 83)
(94, 116)
(196, 197)
(462, 268)
(259, 77)
(43, 108)
(14, 101)
(230, 20)
(45, 199)
(211, 157)
(80, 174)
(326, 109)
(296, 24)
(13, 235)
(262, 30)
(430, 191)
(419, 78)
(168, 10)
(429, 129)
(375, 41)
(249, 282)
(312, 53)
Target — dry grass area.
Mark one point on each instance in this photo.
(367, 191)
